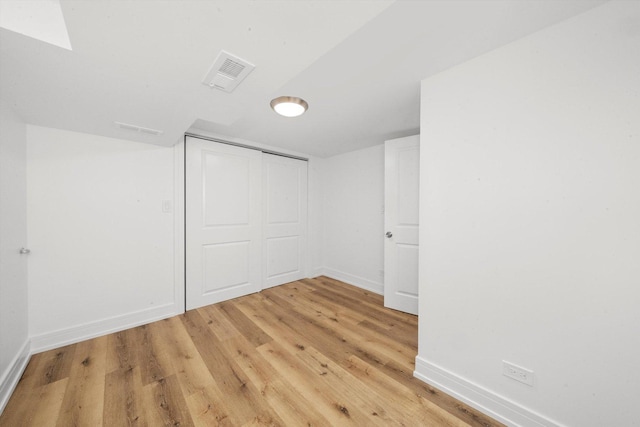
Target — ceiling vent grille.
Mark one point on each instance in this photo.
(139, 129)
(227, 72)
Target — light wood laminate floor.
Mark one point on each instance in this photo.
(316, 352)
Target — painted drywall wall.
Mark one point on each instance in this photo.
(102, 247)
(353, 186)
(315, 216)
(530, 238)
(14, 342)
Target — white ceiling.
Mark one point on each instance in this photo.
(358, 63)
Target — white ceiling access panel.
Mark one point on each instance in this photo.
(227, 72)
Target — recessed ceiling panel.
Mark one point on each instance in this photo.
(42, 20)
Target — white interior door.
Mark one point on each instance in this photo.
(402, 172)
(284, 218)
(223, 222)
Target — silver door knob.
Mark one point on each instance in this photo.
(389, 234)
(25, 251)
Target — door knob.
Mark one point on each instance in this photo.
(25, 251)
(389, 234)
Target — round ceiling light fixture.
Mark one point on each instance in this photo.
(289, 106)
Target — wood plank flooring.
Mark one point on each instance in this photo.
(315, 352)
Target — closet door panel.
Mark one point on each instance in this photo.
(285, 219)
(223, 222)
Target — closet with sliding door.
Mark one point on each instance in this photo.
(245, 220)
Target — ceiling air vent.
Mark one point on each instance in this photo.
(139, 129)
(227, 72)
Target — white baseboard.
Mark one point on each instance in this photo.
(59, 338)
(11, 376)
(486, 401)
(377, 288)
(315, 272)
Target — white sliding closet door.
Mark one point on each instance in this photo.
(284, 218)
(223, 222)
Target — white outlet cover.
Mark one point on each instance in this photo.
(517, 373)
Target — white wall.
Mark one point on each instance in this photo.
(14, 343)
(315, 216)
(102, 248)
(353, 186)
(530, 224)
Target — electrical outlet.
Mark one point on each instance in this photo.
(517, 373)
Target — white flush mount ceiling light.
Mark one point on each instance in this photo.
(289, 106)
